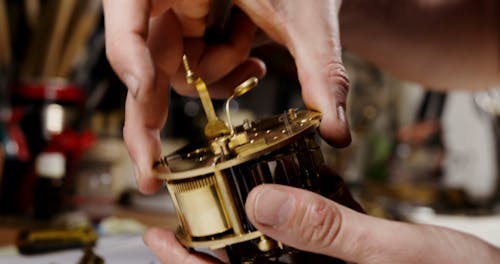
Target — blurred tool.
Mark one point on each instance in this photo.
(5, 48)
(5, 59)
(63, 14)
(31, 242)
(32, 9)
(77, 39)
(68, 26)
(89, 257)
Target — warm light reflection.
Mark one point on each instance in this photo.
(54, 118)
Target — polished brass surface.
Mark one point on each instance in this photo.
(265, 244)
(210, 182)
(197, 179)
(230, 208)
(238, 140)
(260, 140)
(201, 207)
(216, 243)
(240, 90)
(214, 127)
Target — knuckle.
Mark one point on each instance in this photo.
(112, 48)
(192, 9)
(320, 225)
(179, 85)
(193, 29)
(336, 74)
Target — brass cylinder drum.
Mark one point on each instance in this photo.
(201, 206)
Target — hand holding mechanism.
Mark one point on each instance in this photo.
(209, 183)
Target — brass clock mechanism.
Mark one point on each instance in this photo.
(209, 182)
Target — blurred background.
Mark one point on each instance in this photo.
(417, 155)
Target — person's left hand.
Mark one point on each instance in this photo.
(310, 222)
(145, 41)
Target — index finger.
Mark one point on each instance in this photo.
(127, 28)
(126, 24)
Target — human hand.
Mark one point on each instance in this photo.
(310, 31)
(145, 41)
(310, 222)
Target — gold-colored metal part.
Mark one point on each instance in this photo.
(201, 204)
(201, 179)
(228, 202)
(219, 243)
(207, 211)
(257, 144)
(240, 90)
(214, 127)
(83, 235)
(238, 140)
(265, 244)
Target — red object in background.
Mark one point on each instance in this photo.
(29, 100)
(50, 91)
(72, 145)
(16, 135)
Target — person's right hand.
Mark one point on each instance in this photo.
(310, 31)
(310, 222)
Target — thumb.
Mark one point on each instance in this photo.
(304, 221)
(310, 222)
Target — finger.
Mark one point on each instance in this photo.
(264, 14)
(205, 61)
(158, 7)
(143, 142)
(313, 223)
(192, 15)
(146, 111)
(224, 88)
(310, 31)
(232, 52)
(192, 27)
(166, 247)
(321, 73)
(192, 8)
(126, 32)
(165, 43)
(126, 25)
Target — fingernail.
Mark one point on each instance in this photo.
(273, 207)
(341, 113)
(132, 83)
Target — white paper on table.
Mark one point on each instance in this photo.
(113, 249)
